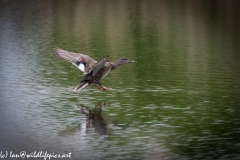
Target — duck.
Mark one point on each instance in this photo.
(93, 71)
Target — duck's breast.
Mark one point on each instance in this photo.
(101, 74)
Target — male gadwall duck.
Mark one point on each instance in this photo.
(93, 70)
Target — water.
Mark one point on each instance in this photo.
(180, 100)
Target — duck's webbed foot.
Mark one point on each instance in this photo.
(107, 88)
(102, 87)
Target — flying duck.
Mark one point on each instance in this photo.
(94, 71)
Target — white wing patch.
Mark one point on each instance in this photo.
(79, 65)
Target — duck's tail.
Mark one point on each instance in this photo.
(81, 86)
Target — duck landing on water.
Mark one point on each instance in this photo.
(94, 71)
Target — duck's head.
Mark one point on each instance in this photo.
(124, 60)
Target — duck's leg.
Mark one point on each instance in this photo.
(99, 87)
(102, 87)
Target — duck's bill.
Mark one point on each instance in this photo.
(131, 61)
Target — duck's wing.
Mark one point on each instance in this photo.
(81, 61)
(99, 65)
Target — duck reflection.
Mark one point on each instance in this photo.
(94, 122)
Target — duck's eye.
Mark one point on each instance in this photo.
(124, 59)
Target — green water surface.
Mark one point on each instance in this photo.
(180, 100)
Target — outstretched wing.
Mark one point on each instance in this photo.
(81, 61)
